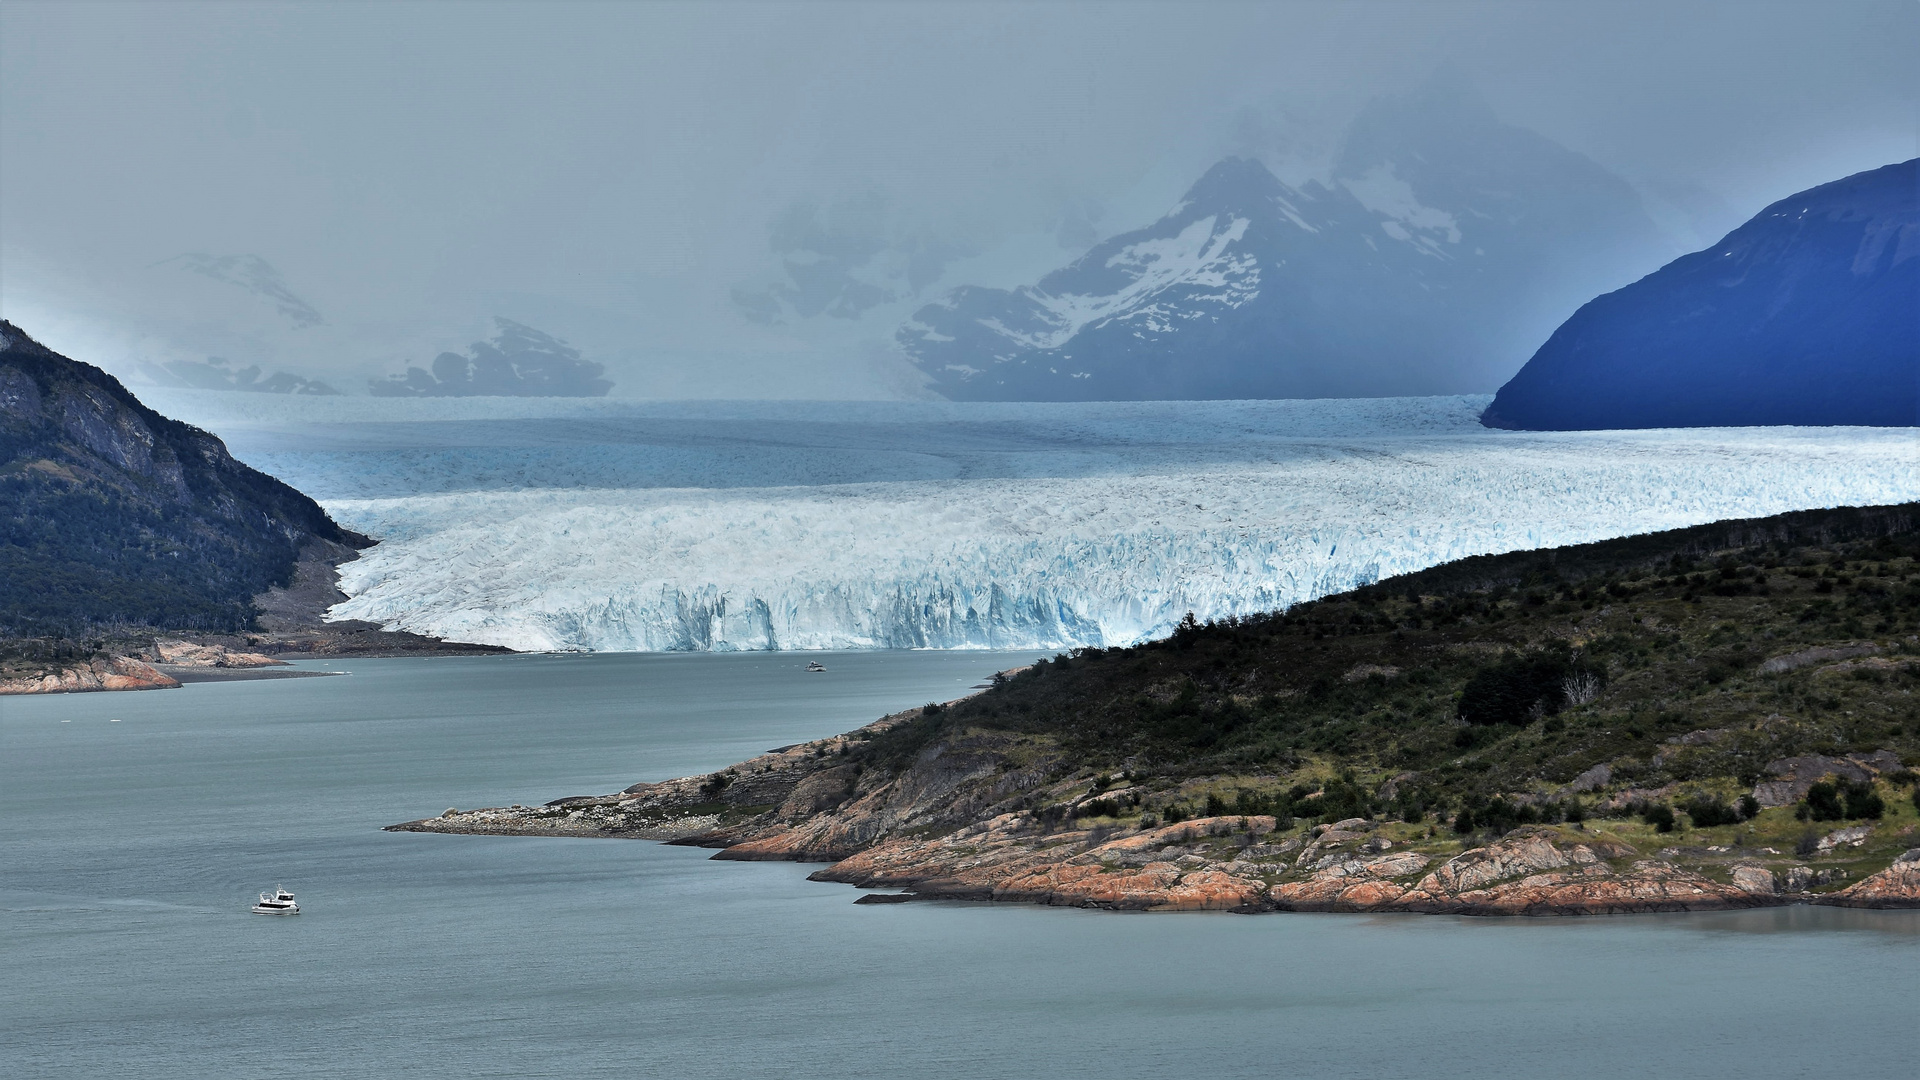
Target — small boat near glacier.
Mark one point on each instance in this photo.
(280, 902)
(815, 665)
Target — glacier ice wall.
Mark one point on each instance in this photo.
(812, 526)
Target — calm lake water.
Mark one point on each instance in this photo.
(130, 851)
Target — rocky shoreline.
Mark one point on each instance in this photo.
(997, 817)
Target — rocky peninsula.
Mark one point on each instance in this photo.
(989, 816)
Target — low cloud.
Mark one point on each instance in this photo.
(843, 261)
(254, 275)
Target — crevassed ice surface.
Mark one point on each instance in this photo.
(614, 525)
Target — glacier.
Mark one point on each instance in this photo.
(662, 526)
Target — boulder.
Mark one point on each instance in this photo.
(1797, 774)
(1757, 880)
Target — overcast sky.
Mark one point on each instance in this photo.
(621, 174)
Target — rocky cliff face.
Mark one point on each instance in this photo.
(1808, 314)
(113, 515)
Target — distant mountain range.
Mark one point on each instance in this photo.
(215, 373)
(112, 515)
(518, 361)
(1807, 314)
(1445, 247)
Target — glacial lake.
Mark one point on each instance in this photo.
(130, 851)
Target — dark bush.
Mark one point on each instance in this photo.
(1823, 802)
(1861, 800)
(1749, 807)
(1519, 689)
(1660, 816)
(1706, 812)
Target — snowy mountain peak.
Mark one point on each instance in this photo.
(1444, 249)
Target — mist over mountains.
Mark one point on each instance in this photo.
(518, 361)
(1444, 247)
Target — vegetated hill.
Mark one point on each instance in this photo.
(1807, 314)
(1458, 674)
(113, 516)
(1501, 735)
(1444, 246)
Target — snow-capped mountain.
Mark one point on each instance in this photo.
(1444, 248)
(1808, 314)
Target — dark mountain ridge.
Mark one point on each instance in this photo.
(112, 515)
(1807, 314)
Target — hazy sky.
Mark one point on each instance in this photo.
(621, 174)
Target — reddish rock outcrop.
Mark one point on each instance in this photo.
(112, 673)
(1898, 886)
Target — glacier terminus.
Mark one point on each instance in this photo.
(664, 526)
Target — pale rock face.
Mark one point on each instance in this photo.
(1484, 866)
(189, 654)
(1850, 837)
(1754, 879)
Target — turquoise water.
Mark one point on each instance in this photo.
(129, 852)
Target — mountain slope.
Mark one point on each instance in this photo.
(113, 515)
(1807, 314)
(1445, 245)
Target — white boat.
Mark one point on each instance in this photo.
(815, 665)
(279, 902)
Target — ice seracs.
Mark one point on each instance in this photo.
(1036, 526)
